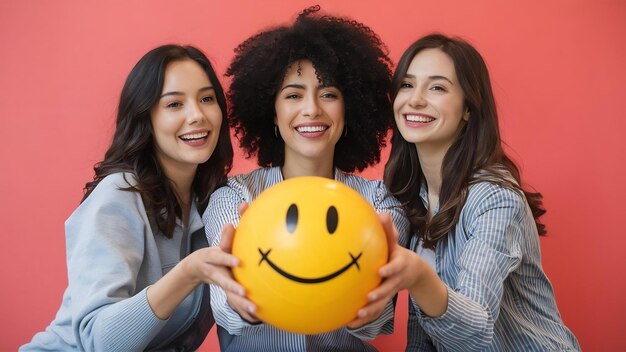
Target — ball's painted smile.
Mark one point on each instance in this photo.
(316, 280)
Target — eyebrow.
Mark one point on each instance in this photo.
(432, 78)
(203, 89)
(298, 86)
(302, 86)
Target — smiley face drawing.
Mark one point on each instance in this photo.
(310, 249)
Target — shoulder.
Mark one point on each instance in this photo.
(116, 181)
(249, 186)
(484, 190)
(497, 185)
(111, 209)
(244, 187)
(111, 197)
(224, 201)
(114, 187)
(367, 188)
(487, 196)
(374, 191)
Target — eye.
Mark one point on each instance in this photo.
(292, 218)
(207, 99)
(332, 218)
(292, 96)
(173, 105)
(406, 85)
(329, 95)
(439, 88)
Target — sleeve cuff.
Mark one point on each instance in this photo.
(462, 321)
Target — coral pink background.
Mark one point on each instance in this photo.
(557, 69)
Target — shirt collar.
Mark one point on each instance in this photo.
(424, 198)
(275, 175)
(424, 193)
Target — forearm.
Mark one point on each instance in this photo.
(168, 292)
(126, 325)
(429, 292)
(465, 326)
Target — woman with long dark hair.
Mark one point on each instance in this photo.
(137, 269)
(473, 270)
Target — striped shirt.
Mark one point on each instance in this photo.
(499, 298)
(238, 335)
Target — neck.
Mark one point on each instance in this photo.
(431, 161)
(308, 167)
(181, 180)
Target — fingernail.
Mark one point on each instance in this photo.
(250, 309)
(372, 296)
(361, 313)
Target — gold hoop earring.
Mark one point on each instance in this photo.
(276, 131)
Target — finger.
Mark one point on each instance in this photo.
(356, 323)
(228, 284)
(215, 257)
(363, 317)
(243, 307)
(250, 318)
(388, 269)
(385, 291)
(371, 311)
(396, 263)
(242, 208)
(390, 231)
(226, 241)
(242, 304)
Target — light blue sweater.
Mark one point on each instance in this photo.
(112, 257)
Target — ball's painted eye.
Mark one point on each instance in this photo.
(332, 219)
(292, 218)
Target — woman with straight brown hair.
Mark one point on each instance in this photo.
(473, 270)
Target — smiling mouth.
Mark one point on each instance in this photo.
(194, 136)
(311, 129)
(316, 280)
(419, 118)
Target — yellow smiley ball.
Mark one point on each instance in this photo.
(310, 249)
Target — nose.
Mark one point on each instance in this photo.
(196, 114)
(416, 100)
(311, 107)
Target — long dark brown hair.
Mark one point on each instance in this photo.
(132, 149)
(476, 155)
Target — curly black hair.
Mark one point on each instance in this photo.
(345, 53)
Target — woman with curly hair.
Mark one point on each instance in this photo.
(308, 99)
(473, 270)
(137, 270)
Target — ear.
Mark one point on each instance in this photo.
(466, 115)
(275, 120)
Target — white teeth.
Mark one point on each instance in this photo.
(418, 118)
(194, 135)
(311, 128)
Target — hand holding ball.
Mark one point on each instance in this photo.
(310, 249)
